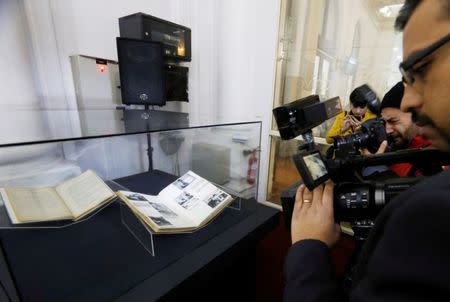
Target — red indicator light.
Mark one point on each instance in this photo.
(101, 68)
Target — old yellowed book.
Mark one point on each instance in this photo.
(185, 205)
(72, 199)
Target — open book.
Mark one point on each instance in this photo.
(185, 205)
(72, 199)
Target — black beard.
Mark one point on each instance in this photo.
(421, 119)
(424, 120)
(394, 146)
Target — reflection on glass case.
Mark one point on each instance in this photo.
(219, 153)
(81, 164)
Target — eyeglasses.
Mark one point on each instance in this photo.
(406, 67)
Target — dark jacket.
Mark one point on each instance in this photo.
(405, 258)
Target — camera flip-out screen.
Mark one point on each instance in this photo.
(312, 169)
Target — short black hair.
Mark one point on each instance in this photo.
(360, 96)
(408, 9)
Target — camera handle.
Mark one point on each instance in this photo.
(419, 157)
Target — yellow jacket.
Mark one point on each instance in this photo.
(339, 122)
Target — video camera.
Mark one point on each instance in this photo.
(356, 200)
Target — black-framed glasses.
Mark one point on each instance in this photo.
(407, 65)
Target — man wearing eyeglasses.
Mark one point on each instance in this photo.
(407, 255)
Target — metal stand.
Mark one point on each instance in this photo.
(149, 144)
(135, 125)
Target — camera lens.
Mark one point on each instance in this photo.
(370, 136)
(357, 140)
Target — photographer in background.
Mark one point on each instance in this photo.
(401, 131)
(348, 121)
(406, 256)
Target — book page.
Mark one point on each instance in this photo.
(84, 193)
(195, 196)
(34, 204)
(161, 214)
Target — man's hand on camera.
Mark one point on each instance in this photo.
(380, 150)
(313, 217)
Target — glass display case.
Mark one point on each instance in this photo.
(117, 144)
(140, 152)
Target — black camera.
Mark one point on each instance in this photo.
(300, 116)
(356, 199)
(355, 116)
(369, 136)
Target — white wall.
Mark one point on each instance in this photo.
(246, 66)
(19, 98)
(17, 77)
(16, 70)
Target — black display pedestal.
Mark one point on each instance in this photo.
(99, 260)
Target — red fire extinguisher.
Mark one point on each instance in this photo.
(252, 166)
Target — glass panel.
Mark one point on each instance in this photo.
(316, 74)
(91, 123)
(226, 155)
(331, 52)
(284, 171)
(324, 77)
(335, 46)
